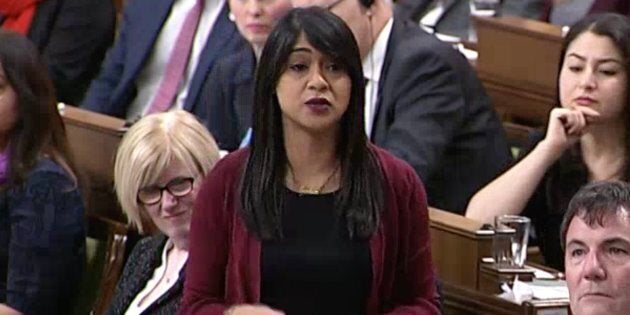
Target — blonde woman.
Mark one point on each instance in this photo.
(159, 165)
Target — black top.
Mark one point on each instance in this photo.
(551, 198)
(316, 268)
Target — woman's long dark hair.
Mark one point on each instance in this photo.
(39, 128)
(615, 27)
(360, 198)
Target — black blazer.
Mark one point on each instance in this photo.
(228, 96)
(433, 112)
(411, 9)
(144, 259)
(455, 19)
(73, 36)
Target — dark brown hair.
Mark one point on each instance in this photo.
(615, 27)
(39, 128)
(359, 199)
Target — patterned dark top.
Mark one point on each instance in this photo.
(42, 242)
(141, 264)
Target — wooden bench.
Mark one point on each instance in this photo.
(518, 65)
(457, 246)
(93, 140)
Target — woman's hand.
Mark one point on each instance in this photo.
(251, 309)
(566, 126)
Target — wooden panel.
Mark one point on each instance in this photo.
(516, 103)
(520, 50)
(491, 277)
(518, 64)
(94, 139)
(464, 301)
(457, 246)
(459, 300)
(114, 234)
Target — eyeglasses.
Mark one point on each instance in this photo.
(178, 187)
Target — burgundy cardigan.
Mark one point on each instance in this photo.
(224, 264)
(617, 6)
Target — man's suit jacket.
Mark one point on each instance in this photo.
(433, 112)
(454, 21)
(616, 6)
(73, 37)
(228, 96)
(115, 87)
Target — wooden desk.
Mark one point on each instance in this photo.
(459, 300)
(491, 277)
(93, 140)
(518, 65)
(457, 246)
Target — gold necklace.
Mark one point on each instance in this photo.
(303, 189)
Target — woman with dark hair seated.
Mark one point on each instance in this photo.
(311, 218)
(587, 137)
(42, 231)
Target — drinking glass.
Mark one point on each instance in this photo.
(511, 238)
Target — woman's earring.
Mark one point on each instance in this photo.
(231, 16)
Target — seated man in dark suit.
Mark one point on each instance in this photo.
(424, 103)
(72, 35)
(164, 51)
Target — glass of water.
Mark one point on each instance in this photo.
(512, 235)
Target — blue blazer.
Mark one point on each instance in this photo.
(228, 96)
(115, 87)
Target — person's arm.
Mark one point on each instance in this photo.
(99, 94)
(209, 243)
(510, 192)
(81, 34)
(429, 109)
(47, 244)
(216, 99)
(415, 285)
